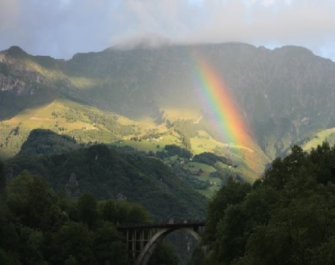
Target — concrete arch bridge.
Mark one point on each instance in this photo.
(142, 239)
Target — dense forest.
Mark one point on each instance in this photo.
(286, 217)
(38, 226)
(41, 152)
(109, 173)
(122, 174)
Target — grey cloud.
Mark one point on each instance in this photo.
(62, 28)
(9, 12)
(301, 23)
(308, 23)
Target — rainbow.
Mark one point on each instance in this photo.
(216, 95)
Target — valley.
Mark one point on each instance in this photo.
(174, 128)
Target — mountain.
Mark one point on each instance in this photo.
(47, 142)
(110, 174)
(153, 95)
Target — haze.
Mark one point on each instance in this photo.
(62, 28)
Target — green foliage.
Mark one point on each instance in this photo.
(47, 142)
(38, 226)
(108, 211)
(198, 256)
(164, 254)
(285, 218)
(232, 193)
(138, 213)
(108, 245)
(176, 150)
(30, 199)
(87, 209)
(75, 239)
(210, 159)
(109, 174)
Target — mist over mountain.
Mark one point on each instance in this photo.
(285, 97)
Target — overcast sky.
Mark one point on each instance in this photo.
(61, 28)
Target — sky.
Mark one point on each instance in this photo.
(61, 28)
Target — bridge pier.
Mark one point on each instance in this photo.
(137, 239)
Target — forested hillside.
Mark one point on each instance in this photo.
(38, 226)
(109, 174)
(287, 217)
(205, 172)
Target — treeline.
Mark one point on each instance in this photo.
(286, 217)
(173, 150)
(38, 226)
(41, 141)
(211, 159)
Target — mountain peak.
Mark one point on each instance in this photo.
(295, 50)
(16, 52)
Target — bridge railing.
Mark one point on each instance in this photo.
(170, 223)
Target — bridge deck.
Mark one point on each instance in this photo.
(161, 225)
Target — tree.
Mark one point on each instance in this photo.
(30, 199)
(123, 209)
(30, 246)
(231, 238)
(233, 193)
(287, 217)
(108, 245)
(87, 209)
(164, 254)
(198, 256)
(108, 211)
(74, 239)
(138, 214)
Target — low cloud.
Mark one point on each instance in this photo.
(62, 28)
(9, 12)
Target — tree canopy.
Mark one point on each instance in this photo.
(286, 217)
(38, 226)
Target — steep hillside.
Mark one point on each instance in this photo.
(289, 90)
(109, 174)
(285, 96)
(86, 125)
(46, 142)
(205, 172)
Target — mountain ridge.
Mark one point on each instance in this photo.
(277, 91)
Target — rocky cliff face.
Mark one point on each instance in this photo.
(16, 76)
(15, 85)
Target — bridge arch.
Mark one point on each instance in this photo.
(150, 247)
(142, 240)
